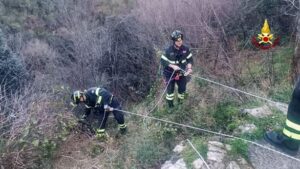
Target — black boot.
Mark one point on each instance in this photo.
(283, 142)
(170, 103)
(180, 101)
(123, 128)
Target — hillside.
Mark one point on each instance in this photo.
(236, 93)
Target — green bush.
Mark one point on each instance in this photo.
(47, 148)
(96, 150)
(238, 148)
(226, 115)
(149, 153)
(165, 133)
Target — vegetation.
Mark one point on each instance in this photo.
(49, 48)
(238, 148)
(189, 154)
(12, 69)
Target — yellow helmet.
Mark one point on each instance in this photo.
(76, 96)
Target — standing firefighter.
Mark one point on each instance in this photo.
(290, 137)
(176, 58)
(102, 102)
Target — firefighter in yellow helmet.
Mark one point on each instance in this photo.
(102, 102)
(176, 58)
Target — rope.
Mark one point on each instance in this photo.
(212, 132)
(198, 153)
(159, 100)
(217, 83)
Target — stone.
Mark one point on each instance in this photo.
(242, 161)
(216, 144)
(283, 107)
(258, 112)
(167, 165)
(233, 165)
(216, 149)
(179, 148)
(228, 147)
(180, 164)
(197, 164)
(215, 156)
(247, 128)
(217, 166)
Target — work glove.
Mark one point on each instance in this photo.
(108, 108)
(84, 117)
(175, 67)
(188, 72)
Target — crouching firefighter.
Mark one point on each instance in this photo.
(102, 102)
(289, 139)
(177, 65)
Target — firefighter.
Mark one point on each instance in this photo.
(289, 139)
(178, 59)
(102, 102)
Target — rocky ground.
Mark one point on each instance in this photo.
(217, 155)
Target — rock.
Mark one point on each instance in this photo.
(179, 164)
(228, 147)
(233, 165)
(216, 151)
(247, 128)
(242, 161)
(167, 165)
(179, 148)
(217, 166)
(216, 144)
(215, 156)
(216, 138)
(280, 106)
(258, 112)
(197, 164)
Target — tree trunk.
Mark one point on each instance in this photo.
(296, 57)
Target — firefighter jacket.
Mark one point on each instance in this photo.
(97, 97)
(180, 57)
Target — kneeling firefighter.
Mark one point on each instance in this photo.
(102, 102)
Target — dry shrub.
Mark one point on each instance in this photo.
(32, 124)
(38, 56)
(216, 30)
(130, 61)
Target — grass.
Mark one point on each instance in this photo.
(281, 93)
(189, 155)
(221, 116)
(273, 122)
(149, 143)
(150, 154)
(226, 115)
(238, 148)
